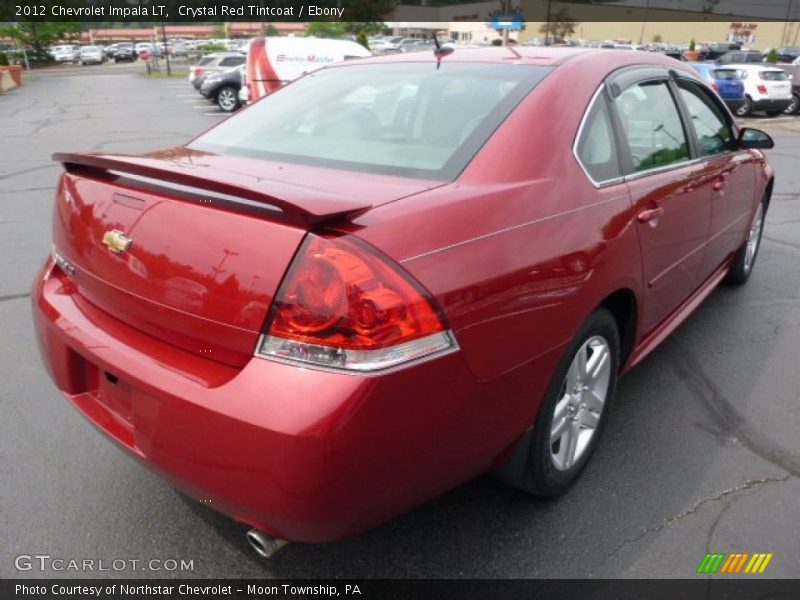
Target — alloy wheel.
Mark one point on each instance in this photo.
(227, 99)
(580, 404)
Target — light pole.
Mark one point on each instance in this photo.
(547, 26)
(166, 49)
(644, 21)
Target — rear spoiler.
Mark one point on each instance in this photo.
(173, 179)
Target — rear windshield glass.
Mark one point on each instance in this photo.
(773, 76)
(410, 119)
(726, 74)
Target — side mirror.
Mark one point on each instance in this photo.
(754, 138)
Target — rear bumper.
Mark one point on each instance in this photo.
(771, 104)
(302, 454)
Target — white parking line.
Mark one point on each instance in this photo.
(216, 114)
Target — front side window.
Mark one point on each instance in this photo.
(596, 148)
(709, 123)
(651, 126)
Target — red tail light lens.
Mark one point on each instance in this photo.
(762, 89)
(715, 86)
(197, 71)
(345, 306)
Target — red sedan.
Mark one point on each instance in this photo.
(394, 275)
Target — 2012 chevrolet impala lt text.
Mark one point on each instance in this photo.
(395, 274)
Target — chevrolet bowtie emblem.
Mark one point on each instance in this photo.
(117, 241)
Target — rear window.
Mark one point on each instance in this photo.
(725, 74)
(773, 76)
(412, 119)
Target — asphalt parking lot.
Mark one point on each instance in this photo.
(701, 452)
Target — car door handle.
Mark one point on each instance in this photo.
(649, 215)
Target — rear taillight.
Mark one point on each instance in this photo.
(343, 305)
(715, 86)
(762, 89)
(197, 71)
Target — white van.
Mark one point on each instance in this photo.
(275, 61)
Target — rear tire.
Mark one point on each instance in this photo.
(745, 260)
(550, 457)
(794, 107)
(746, 109)
(228, 99)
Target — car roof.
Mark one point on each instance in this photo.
(591, 58)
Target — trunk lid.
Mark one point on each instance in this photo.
(191, 248)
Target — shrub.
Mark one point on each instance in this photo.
(3, 59)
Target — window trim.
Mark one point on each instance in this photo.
(634, 75)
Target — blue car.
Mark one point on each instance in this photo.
(725, 80)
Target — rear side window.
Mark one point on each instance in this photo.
(231, 61)
(773, 76)
(710, 125)
(206, 60)
(651, 126)
(596, 148)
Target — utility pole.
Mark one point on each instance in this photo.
(644, 21)
(505, 7)
(547, 26)
(166, 49)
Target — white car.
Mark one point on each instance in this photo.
(766, 88)
(91, 55)
(63, 54)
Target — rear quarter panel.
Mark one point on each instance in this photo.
(522, 247)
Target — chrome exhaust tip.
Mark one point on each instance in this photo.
(265, 545)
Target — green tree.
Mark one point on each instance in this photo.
(269, 30)
(692, 45)
(560, 26)
(772, 56)
(326, 29)
(38, 36)
(218, 31)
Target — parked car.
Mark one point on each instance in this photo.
(788, 54)
(740, 57)
(92, 55)
(793, 72)
(726, 82)
(214, 63)
(272, 62)
(111, 50)
(223, 88)
(767, 89)
(125, 51)
(63, 54)
(715, 51)
(388, 296)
